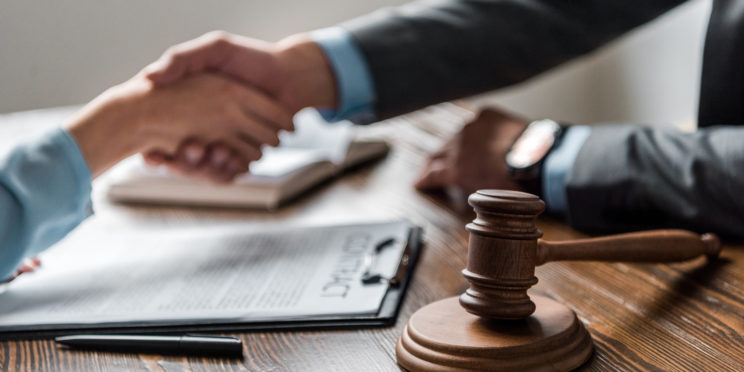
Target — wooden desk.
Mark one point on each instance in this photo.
(642, 317)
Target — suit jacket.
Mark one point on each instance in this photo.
(625, 176)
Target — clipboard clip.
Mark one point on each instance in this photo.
(371, 277)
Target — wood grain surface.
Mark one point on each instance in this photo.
(684, 317)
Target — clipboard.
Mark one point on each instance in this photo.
(386, 315)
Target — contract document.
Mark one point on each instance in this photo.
(206, 276)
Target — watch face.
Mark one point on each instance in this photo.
(533, 144)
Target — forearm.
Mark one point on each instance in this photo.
(432, 51)
(44, 193)
(634, 177)
(45, 184)
(108, 128)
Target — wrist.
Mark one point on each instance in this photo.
(308, 74)
(107, 129)
(526, 156)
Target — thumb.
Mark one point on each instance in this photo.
(161, 72)
(173, 66)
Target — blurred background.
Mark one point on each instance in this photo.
(55, 53)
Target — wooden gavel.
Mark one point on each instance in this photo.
(505, 247)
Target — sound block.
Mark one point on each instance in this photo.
(442, 336)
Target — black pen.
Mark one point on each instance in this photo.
(189, 344)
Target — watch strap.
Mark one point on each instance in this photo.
(531, 180)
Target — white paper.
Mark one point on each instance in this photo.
(313, 140)
(212, 274)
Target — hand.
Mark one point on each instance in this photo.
(28, 266)
(474, 158)
(294, 71)
(194, 158)
(135, 117)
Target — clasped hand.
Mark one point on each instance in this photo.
(233, 120)
(292, 73)
(296, 73)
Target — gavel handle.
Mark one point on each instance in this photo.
(646, 246)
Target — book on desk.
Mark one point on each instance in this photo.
(315, 152)
(225, 278)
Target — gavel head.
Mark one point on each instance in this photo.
(502, 254)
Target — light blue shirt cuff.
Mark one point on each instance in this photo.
(557, 165)
(356, 91)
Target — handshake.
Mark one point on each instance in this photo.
(207, 106)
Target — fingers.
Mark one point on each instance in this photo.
(437, 174)
(264, 117)
(256, 133)
(219, 161)
(36, 261)
(246, 151)
(190, 155)
(261, 119)
(265, 109)
(223, 164)
(155, 158)
(440, 170)
(206, 52)
(29, 265)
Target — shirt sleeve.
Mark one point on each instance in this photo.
(557, 165)
(45, 188)
(357, 98)
(356, 91)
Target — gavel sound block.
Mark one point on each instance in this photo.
(495, 325)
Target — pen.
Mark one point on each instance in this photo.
(189, 344)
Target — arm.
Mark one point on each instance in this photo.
(633, 177)
(610, 178)
(418, 54)
(400, 59)
(45, 184)
(433, 51)
(44, 192)
(134, 117)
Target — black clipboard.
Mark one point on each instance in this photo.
(386, 316)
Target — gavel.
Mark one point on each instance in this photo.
(495, 325)
(505, 247)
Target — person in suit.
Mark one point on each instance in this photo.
(45, 183)
(601, 178)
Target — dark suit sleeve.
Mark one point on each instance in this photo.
(629, 177)
(433, 51)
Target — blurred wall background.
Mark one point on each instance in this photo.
(65, 52)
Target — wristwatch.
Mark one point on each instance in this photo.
(527, 153)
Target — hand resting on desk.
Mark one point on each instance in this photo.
(474, 158)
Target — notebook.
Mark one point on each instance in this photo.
(232, 277)
(315, 152)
